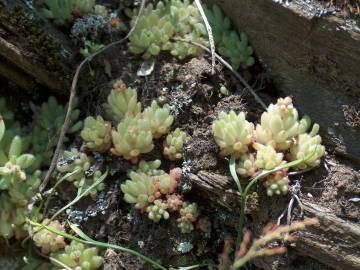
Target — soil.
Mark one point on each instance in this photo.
(195, 99)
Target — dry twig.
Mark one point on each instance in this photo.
(210, 35)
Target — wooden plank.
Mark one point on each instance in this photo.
(314, 59)
(335, 242)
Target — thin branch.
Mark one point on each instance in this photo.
(228, 66)
(73, 93)
(210, 35)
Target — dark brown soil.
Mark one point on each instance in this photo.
(195, 99)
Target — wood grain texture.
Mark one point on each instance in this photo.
(35, 47)
(314, 59)
(335, 242)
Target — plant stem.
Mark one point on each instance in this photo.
(100, 244)
(244, 194)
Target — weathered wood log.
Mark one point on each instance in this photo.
(33, 47)
(312, 57)
(335, 242)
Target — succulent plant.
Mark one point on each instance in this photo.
(280, 124)
(152, 33)
(158, 118)
(80, 170)
(62, 11)
(173, 144)
(229, 43)
(266, 157)
(74, 162)
(157, 211)
(277, 184)
(188, 215)
(90, 47)
(166, 183)
(140, 189)
(232, 133)
(101, 10)
(166, 26)
(12, 218)
(15, 177)
(308, 144)
(48, 241)
(246, 166)
(151, 168)
(122, 102)
(58, 10)
(174, 202)
(158, 25)
(18, 185)
(132, 138)
(82, 7)
(7, 115)
(48, 120)
(96, 134)
(78, 257)
(12, 129)
(188, 24)
(218, 22)
(236, 47)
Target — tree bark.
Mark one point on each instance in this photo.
(312, 57)
(334, 242)
(32, 50)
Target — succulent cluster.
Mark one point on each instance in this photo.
(18, 184)
(96, 134)
(159, 25)
(154, 191)
(164, 27)
(150, 168)
(279, 137)
(280, 124)
(188, 215)
(132, 138)
(233, 133)
(174, 143)
(80, 170)
(157, 211)
(19, 174)
(78, 257)
(135, 129)
(277, 183)
(12, 129)
(122, 102)
(230, 43)
(48, 241)
(158, 118)
(45, 129)
(63, 11)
